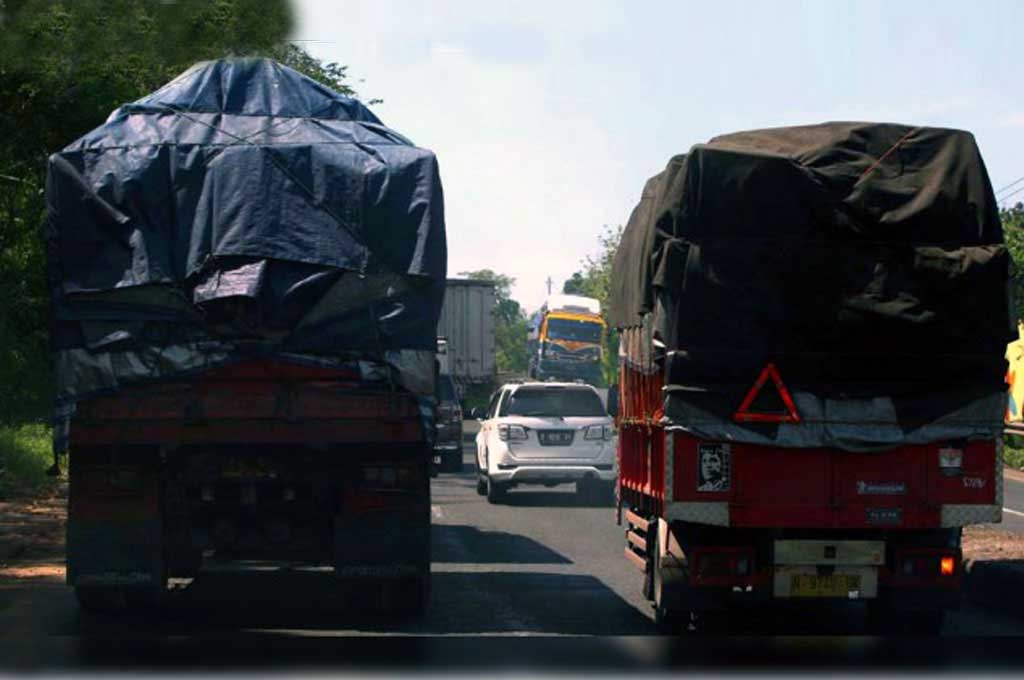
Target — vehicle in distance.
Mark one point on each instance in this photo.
(466, 325)
(565, 337)
(448, 442)
(545, 433)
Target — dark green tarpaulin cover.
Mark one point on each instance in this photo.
(863, 259)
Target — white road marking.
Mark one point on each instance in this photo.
(1014, 512)
(436, 511)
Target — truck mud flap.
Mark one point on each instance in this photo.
(114, 553)
(383, 545)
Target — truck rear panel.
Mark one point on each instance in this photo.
(904, 488)
(262, 459)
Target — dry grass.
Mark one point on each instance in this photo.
(985, 543)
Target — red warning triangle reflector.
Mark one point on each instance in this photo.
(742, 415)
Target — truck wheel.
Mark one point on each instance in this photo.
(481, 486)
(406, 597)
(668, 619)
(883, 620)
(453, 463)
(495, 492)
(103, 599)
(116, 599)
(186, 564)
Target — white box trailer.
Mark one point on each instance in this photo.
(467, 326)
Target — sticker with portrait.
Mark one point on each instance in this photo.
(714, 463)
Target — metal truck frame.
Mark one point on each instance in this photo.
(264, 459)
(763, 524)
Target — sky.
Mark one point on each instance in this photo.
(548, 117)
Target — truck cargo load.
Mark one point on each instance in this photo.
(242, 209)
(246, 270)
(857, 258)
(813, 326)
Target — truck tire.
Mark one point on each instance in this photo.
(407, 597)
(594, 492)
(116, 599)
(452, 463)
(668, 619)
(100, 599)
(495, 492)
(883, 620)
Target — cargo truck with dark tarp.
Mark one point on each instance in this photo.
(813, 328)
(246, 270)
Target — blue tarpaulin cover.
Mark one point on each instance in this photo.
(242, 210)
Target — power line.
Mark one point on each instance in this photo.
(1013, 183)
(1012, 193)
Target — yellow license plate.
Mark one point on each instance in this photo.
(816, 585)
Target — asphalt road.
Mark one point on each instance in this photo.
(1013, 502)
(542, 564)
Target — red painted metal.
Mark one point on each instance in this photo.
(260, 401)
(774, 487)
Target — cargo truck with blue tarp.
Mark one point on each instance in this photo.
(246, 271)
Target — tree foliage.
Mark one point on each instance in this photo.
(509, 322)
(64, 66)
(594, 280)
(1013, 233)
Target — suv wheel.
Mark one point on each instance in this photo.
(495, 491)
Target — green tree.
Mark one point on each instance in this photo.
(1013, 233)
(594, 280)
(509, 322)
(574, 284)
(64, 66)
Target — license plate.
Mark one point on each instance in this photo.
(817, 585)
(437, 460)
(555, 438)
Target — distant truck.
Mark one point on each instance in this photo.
(467, 327)
(244, 327)
(813, 327)
(565, 340)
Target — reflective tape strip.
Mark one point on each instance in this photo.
(712, 513)
(954, 515)
(670, 457)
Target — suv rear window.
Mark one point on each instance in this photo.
(446, 388)
(553, 401)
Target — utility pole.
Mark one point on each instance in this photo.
(549, 282)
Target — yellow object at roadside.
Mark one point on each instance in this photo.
(1015, 378)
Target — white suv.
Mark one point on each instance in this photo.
(545, 433)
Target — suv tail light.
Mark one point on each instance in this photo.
(595, 432)
(507, 433)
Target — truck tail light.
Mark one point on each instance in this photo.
(724, 566)
(929, 565)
